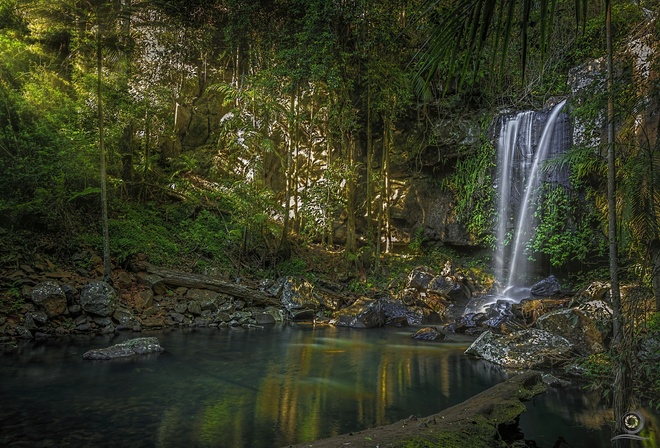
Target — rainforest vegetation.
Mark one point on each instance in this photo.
(261, 138)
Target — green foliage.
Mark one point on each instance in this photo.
(293, 267)
(472, 186)
(648, 373)
(597, 370)
(45, 158)
(590, 43)
(135, 229)
(653, 325)
(206, 234)
(11, 18)
(11, 301)
(566, 231)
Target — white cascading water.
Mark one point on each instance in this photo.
(519, 162)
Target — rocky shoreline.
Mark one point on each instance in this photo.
(544, 328)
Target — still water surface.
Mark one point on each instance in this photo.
(256, 388)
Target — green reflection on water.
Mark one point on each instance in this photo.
(254, 388)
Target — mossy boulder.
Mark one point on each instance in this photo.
(524, 349)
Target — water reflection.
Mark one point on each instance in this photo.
(251, 388)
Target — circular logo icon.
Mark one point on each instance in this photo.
(633, 422)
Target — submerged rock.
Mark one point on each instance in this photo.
(525, 349)
(137, 346)
(428, 334)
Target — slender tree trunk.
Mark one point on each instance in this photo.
(620, 338)
(370, 171)
(107, 275)
(288, 177)
(351, 239)
(386, 193)
(295, 178)
(126, 141)
(655, 264)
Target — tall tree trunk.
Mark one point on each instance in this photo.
(621, 384)
(655, 264)
(126, 141)
(107, 275)
(288, 177)
(295, 178)
(386, 193)
(351, 238)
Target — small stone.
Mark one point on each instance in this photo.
(23, 333)
(264, 319)
(178, 317)
(181, 308)
(194, 308)
(75, 310)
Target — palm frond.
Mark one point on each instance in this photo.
(460, 35)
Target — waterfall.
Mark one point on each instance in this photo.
(521, 154)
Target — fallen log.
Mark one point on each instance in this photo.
(176, 278)
(482, 421)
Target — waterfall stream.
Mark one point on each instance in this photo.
(526, 141)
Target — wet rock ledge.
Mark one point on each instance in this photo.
(489, 419)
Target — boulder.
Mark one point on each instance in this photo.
(296, 295)
(153, 281)
(98, 298)
(364, 313)
(22, 332)
(586, 326)
(547, 287)
(194, 308)
(50, 297)
(428, 334)
(434, 302)
(596, 291)
(35, 319)
(525, 349)
(441, 285)
(465, 322)
(531, 309)
(125, 318)
(264, 319)
(499, 313)
(207, 299)
(144, 299)
(396, 311)
(137, 346)
(420, 277)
